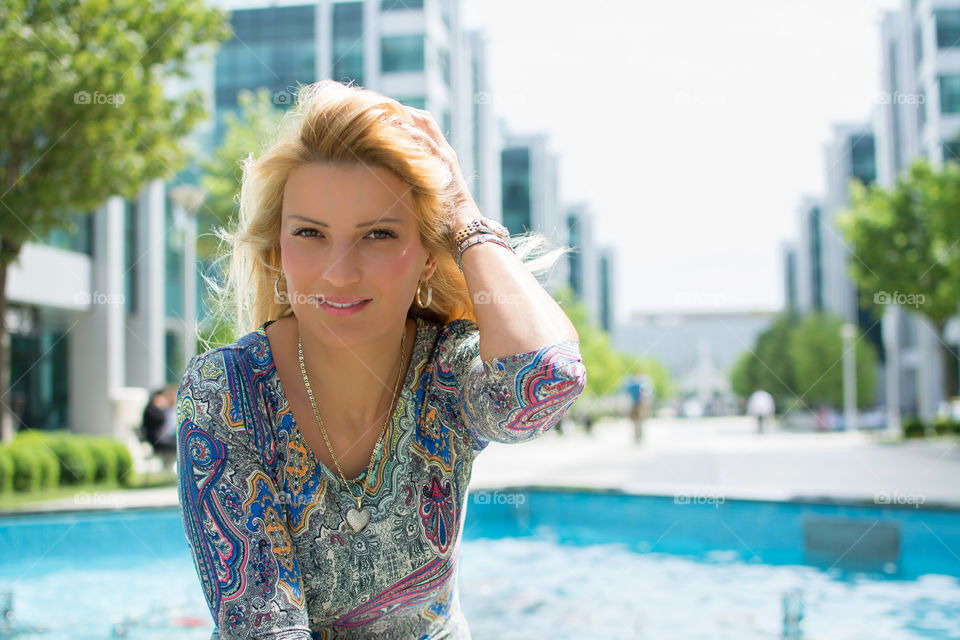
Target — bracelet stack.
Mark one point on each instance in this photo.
(478, 231)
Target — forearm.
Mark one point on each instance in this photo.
(515, 314)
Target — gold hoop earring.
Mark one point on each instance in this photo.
(279, 298)
(423, 305)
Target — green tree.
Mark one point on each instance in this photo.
(245, 132)
(768, 365)
(904, 243)
(816, 355)
(606, 367)
(84, 112)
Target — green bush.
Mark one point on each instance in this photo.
(913, 428)
(105, 457)
(35, 466)
(26, 468)
(6, 469)
(124, 462)
(946, 427)
(76, 462)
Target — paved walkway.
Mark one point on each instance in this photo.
(702, 457)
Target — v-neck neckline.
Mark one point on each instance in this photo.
(419, 335)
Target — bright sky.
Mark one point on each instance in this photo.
(692, 127)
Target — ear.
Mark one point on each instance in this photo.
(429, 267)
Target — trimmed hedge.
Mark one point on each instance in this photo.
(38, 460)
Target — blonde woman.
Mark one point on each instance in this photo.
(324, 456)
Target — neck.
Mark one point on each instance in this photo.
(354, 385)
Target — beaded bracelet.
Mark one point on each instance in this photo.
(479, 238)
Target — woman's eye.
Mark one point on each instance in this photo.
(313, 233)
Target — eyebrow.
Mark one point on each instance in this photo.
(362, 224)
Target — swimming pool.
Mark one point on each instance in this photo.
(539, 563)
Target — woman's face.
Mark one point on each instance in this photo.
(349, 232)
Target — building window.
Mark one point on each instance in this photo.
(131, 256)
(348, 42)
(917, 44)
(417, 103)
(948, 28)
(445, 124)
(950, 93)
(273, 47)
(402, 53)
(173, 264)
(400, 5)
(951, 150)
(863, 159)
(443, 55)
(516, 201)
(922, 109)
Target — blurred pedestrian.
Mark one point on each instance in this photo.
(761, 405)
(640, 388)
(159, 424)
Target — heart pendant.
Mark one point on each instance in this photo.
(358, 519)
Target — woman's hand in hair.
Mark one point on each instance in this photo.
(429, 131)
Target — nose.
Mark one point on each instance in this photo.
(342, 265)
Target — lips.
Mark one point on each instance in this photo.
(340, 300)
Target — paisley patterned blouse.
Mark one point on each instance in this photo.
(265, 519)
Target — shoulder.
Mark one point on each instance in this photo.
(251, 349)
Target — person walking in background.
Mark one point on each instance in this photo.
(639, 386)
(760, 405)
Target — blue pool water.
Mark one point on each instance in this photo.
(548, 563)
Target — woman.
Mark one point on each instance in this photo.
(324, 456)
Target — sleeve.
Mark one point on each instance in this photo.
(513, 398)
(233, 519)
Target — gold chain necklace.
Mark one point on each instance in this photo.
(359, 517)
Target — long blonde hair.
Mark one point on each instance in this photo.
(335, 123)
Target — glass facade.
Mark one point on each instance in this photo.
(348, 42)
(79, 239)
(173, 265)
(948, 28)
(816, 258)
(400, 5)
(443, 57)
(516, 201)
(863, 158)
(949, 93)
(419, 102)
(574, 258)
(606, 313)
(272, 47)
(173, 351)
(951, 150)
(922, 108)
(39, 366)
(131, 256)
(402, 53)
(917, 44)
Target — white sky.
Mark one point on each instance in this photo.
(692, 127)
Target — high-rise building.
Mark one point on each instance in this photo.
(917, 115)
